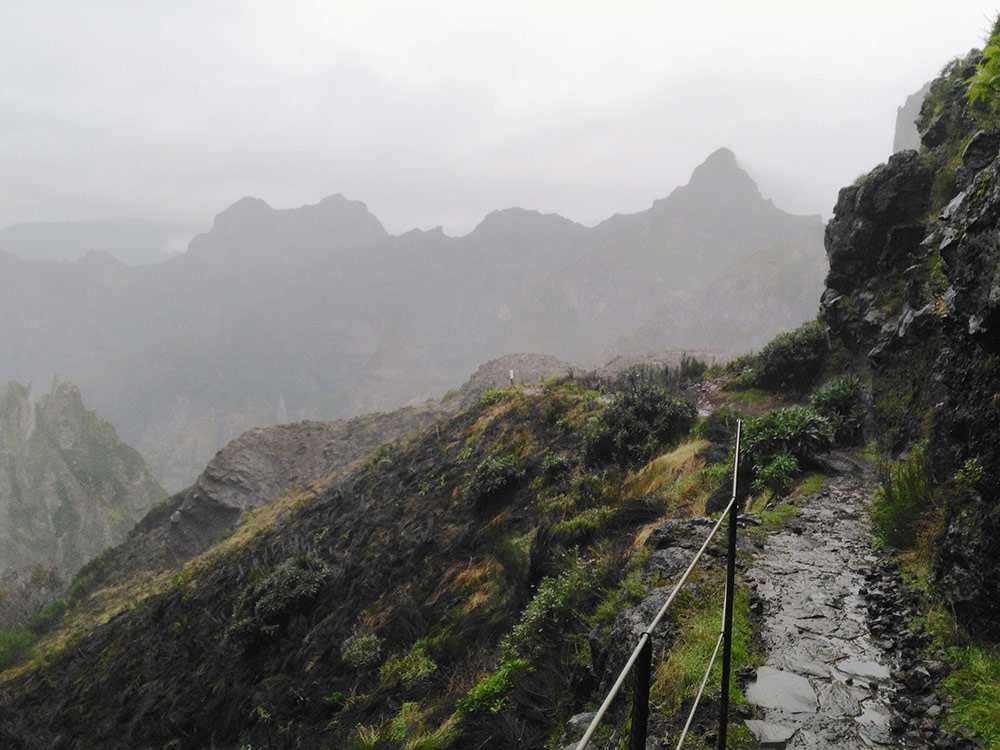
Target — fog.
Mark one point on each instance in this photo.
(437, 113)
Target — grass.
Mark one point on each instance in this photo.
(664, 470)
(975, 688)
(680, 674)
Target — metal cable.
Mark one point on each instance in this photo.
(645, 636)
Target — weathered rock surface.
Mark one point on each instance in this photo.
(827, 680)
(914, 298)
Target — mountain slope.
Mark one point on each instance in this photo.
(68, 487)
(317, 313)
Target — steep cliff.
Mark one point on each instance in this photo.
(68, 487)
(913, 303)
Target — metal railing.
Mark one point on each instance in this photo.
(642, 656)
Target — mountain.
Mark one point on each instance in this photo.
(68, 487)
(907, 137)
(318, 313)
(134, 242)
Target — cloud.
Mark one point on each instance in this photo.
(438, 112)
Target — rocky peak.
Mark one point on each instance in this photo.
(719, 181)
(68, 487)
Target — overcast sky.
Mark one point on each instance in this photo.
(435, 113)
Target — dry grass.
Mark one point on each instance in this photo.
(664, 470)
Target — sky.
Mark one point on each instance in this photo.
(435, 113)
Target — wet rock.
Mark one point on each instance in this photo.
(769, 734)
(774, 688)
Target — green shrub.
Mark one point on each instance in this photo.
(491, 477)
(799, 432)
(410, 669)
(497, 395)
(13, 643)
(361, 650)
(266, 602)
(556, 465)
(639, 420)
(791, 361)
(776, 476)
(490, 693)
(842, 401)
(904, 498)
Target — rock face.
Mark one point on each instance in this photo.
(913, 294)
(907, 136)
(68, 487)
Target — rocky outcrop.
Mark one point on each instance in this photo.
(913, 294)
(907, 136)
(264, 463)
(68, 487)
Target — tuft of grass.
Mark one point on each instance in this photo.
(664, 470)
(905, 502)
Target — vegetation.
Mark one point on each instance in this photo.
(640, 420)
(984, 86)
(842, 402)
(905, 500)
(790, 362)
(271, 597)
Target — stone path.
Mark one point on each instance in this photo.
(826, 681)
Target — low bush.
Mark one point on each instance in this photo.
(800, 432)
(842, 401)
(491, 477)
(361, 651)
(791, 361)
(639, 421)
(266, 602)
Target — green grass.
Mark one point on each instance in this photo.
(975, 688)
(680, 674)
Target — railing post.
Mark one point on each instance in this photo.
(727, 616)
(640, 696)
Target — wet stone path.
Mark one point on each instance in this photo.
(826, 681)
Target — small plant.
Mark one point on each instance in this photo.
(904, 499)
(409, 669)
(491, 477)
(776, 476)
(497, 395)
(361, 650)
(490, 694)
(556, 465)
(842, 401)
(799, 432)
(265, 603)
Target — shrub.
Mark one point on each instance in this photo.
(904, 498)
(361, 650)
(409, 669)
(842, 401)
(556, 465)
(490, 693)
(799, 432)
(266, 603)
(791, 361)
(639, 420)
(492, 476)
(776, 475)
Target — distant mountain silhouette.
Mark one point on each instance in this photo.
(133, 242)
(317, 312)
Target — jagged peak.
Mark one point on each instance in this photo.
(718, 179)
